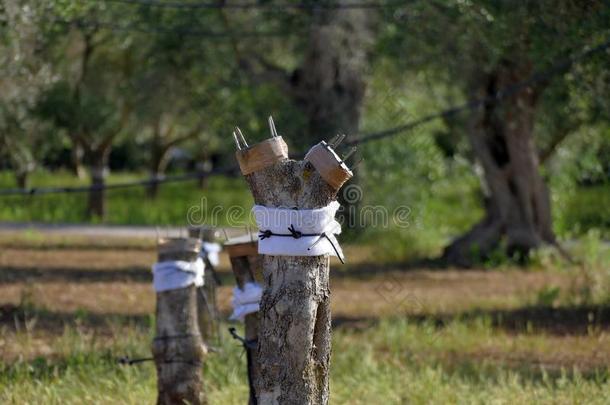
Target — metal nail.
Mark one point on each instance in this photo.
(241, 136)
(272, 127)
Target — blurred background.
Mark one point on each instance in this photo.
(442, 95)
(489, 120)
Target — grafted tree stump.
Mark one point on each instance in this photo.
(247, 268)
(207, 308)
(178, 349)
(294, 330)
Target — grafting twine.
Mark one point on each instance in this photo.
(311, 232)
(262, 235)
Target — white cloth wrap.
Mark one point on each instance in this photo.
(312, 221)
(246, 301)
(211, 251)
(174, 274)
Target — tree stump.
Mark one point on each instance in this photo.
(295, 325)
(207, 308)
(247, 268)
(178, 349)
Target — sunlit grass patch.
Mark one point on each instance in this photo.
(395, 361)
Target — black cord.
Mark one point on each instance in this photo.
(297, 234)
(264, 5)
(247, 343)
(249, 346)
(127, 361)
(182, 336)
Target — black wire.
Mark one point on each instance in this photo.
(534, 79)
(267, 5)
(139, 183)
(262, 235)
(172, 31)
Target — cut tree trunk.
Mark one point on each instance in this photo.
(178, 349)
(244, 269)
(207, 307)
(517, 204)
(294, 331)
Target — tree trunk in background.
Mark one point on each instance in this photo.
(77, 152)
(158, 165)
(22, 178)
(203, 167)
(98, 172)
(517, 203)
(329, 85)
(294, 330)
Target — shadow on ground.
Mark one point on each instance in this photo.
(17, 318)
(575, 320)
(14, 274)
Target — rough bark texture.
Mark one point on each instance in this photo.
(207, 308)
(22, 178)
(294, 329)
(517, 204)
(98, 171)
(329, 85)
(77, 153)
(244, 273)
(178, 349)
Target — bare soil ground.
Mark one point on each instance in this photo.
(103, 286)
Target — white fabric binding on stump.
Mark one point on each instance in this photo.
(246, 301)
(308, 221)
(211, 250)
(174, 274)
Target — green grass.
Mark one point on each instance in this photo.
(447, 209)
(131, 206)
(589, 208)
(394, 362)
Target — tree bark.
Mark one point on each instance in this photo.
(294, 330)
(98, 172)
(517, 204)
(158, 158)
(329, 85)
(207, 307)
(22, 178)
(178, 349)
(157, 169)
(203, 168)
(77, 153)
(245, 273)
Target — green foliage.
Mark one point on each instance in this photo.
(595, 256)
(548, 296)
(142, 78)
